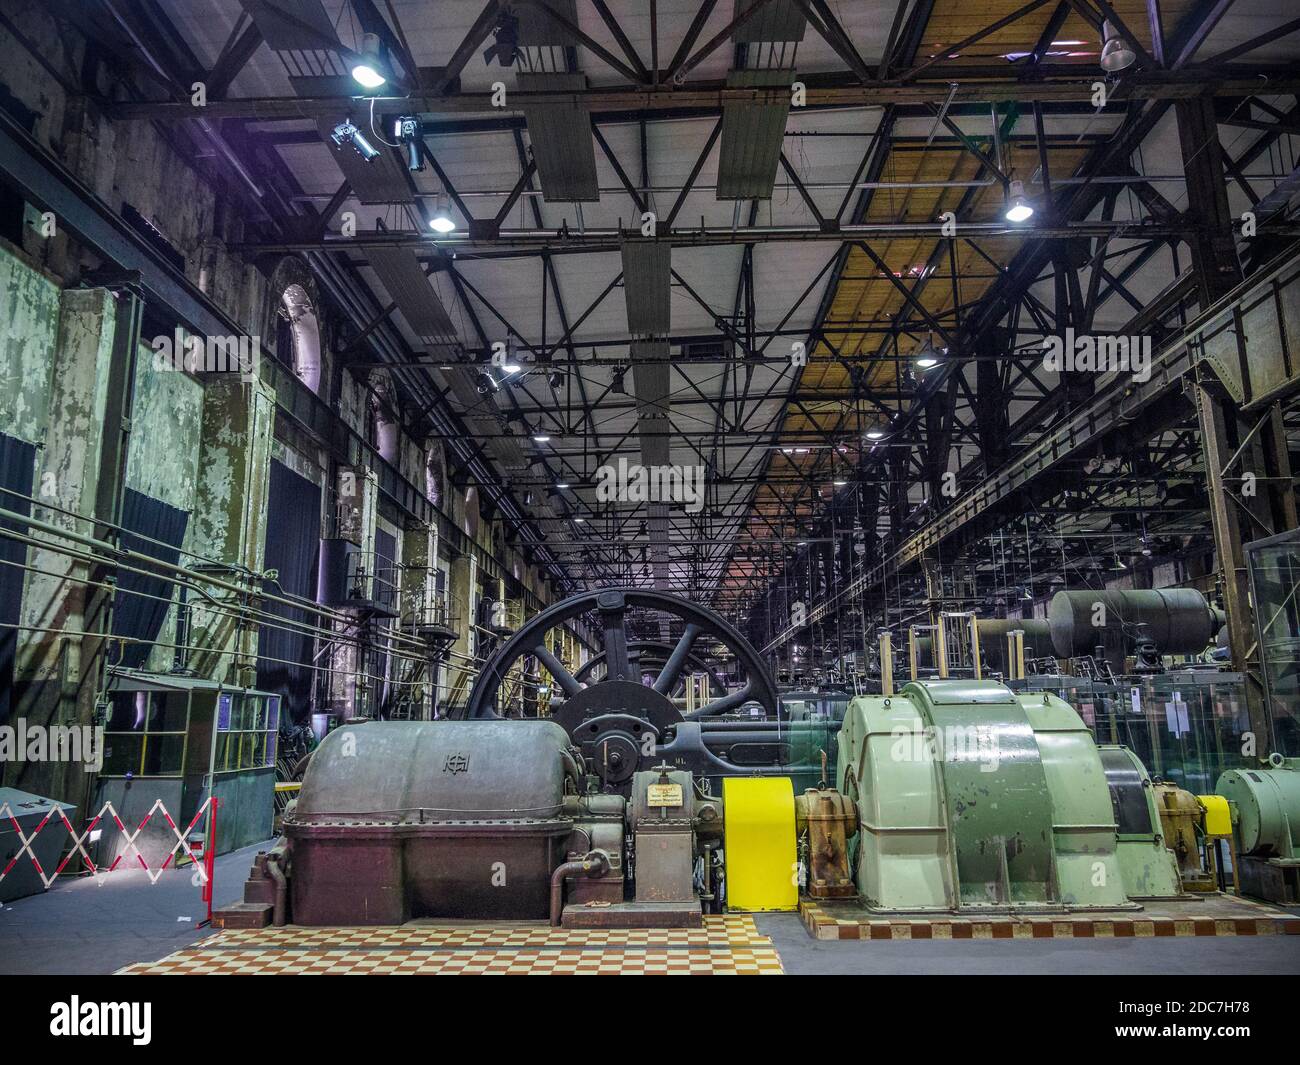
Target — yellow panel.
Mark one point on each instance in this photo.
(758, 816)
(1218, 818)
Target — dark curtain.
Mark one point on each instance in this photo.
(293, 548)
(142, 601)
(385, 554)
(17, 463)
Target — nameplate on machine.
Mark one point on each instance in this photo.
(664, 795)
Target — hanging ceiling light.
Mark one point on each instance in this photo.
(369, 70)
(510, 365)
(1116, 54)
(875, 434)
(442, 221)
(928, 356)
(1018, 208)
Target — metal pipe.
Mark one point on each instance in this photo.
(281, 888)
(596, 863)
(611, 238)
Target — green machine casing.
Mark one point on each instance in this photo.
(974, 798)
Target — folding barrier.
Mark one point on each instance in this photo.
(204, 857)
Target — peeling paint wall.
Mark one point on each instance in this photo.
(29, 325)
(201, 445)
(164, 451)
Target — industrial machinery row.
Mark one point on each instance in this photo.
(621, 808)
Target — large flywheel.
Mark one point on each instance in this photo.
(648, 657)
(616, 717)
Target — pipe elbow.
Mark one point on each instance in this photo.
(593, 863)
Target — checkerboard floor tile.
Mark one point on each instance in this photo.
(1192, 917)
(724, 946)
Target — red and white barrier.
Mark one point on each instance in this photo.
(204, 859)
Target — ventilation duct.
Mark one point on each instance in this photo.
(752, 136)
(560, 135)
(647, 274)
(401, 274)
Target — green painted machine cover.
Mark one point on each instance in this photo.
(974, 798)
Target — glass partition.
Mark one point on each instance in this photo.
(1274, 566)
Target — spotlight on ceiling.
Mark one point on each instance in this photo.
(875, 434)
(346, 133)
(369, 70)
(927, 356)
(617, 385)
(406, 129)
(486, 384)
(1018, 208)
(442, 222)
(540, 437)
(561, 484)
(839, 483)
(556, 379)
(1116, 55)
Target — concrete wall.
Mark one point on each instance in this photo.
(29, 324)
(198, 443)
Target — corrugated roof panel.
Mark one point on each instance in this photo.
(647, 266)
(560, 134)
(650, 377)
(381, 180)
(650, 383)
(780, 20)
(751, 138)
(401, 274)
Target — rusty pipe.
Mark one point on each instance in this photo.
(281, 888)
(595, 863)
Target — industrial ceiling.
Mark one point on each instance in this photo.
(783, 223)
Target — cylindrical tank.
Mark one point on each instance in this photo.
(1267, 805)
(993, 639)
(1179, 620)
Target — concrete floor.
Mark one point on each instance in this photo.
(1186, 956)
(87, 927)
(95, 927)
